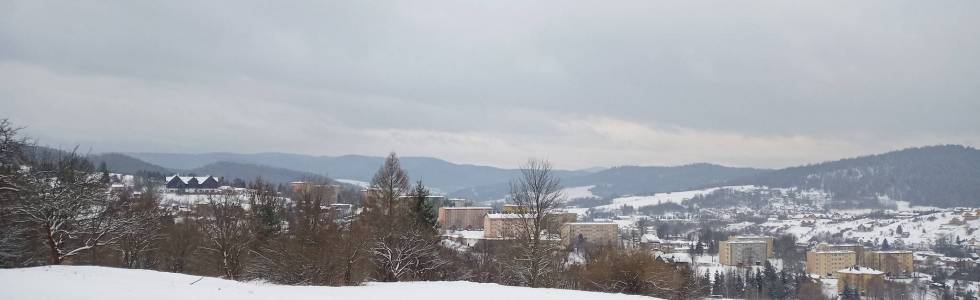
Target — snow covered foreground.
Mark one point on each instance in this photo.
(82, 282)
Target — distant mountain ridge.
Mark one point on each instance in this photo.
(944, 176)
(438, 173)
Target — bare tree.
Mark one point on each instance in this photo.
(310, 252)
(182, 241)
(146, 230)
(537, 194)
(11, 157)
(405, 254)
(389, 183)
(227, 232)
(69, 206)
(401, 247)
(354, 244)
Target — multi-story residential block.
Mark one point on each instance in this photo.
(859, 250)
(462, 218)
(325, 194)
(514, 209)
(859, 279)
(767, 239)
(745, 250)
(503, 226)
(826, 262)
(895, 264)
(581, 234)
(742, 252)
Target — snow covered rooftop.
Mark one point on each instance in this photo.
(893, 252)
(746, 242)
(833, 251)
(860, 270)
(187, 179)
(507, 216)
(650, 238)
(468, 207)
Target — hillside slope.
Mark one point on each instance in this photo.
(100, 283)
(632, 180)
(249, 172)
(942, 176)
(121, 163)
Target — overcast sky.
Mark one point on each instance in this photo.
(582, 83)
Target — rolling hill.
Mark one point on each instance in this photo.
(121, 163)
(250, 172)
(943, 176)
(631, 180)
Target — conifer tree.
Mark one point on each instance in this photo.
(422, 208)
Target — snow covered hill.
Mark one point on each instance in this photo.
(660, 198)
(579, 192)
(83, 282)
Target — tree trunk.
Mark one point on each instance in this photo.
(52, 247)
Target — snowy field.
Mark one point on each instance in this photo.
(579, 192)
(353, 182)
(188, 199)
(82, 282)
(675, 197)
(922, 230)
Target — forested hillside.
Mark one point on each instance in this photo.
(943, 176)
(632, 180)
(249, 172)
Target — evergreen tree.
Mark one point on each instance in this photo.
(770, 273)
(718, 286)
(706, 282)
(105, 172)
(885, 245)
(738, 290)
(422, 211)
(940, 277)
(760, 281)
(849, 293)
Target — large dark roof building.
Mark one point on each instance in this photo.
(192, 182)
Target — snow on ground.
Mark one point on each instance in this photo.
(579, 192)
(467, 238)
(710, 263)
(580, 211)
(173, 198)
(907, 206)
(658, 198)
(921, 230)
(357, 183)
(83, 282)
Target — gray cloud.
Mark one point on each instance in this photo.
(762, 83)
